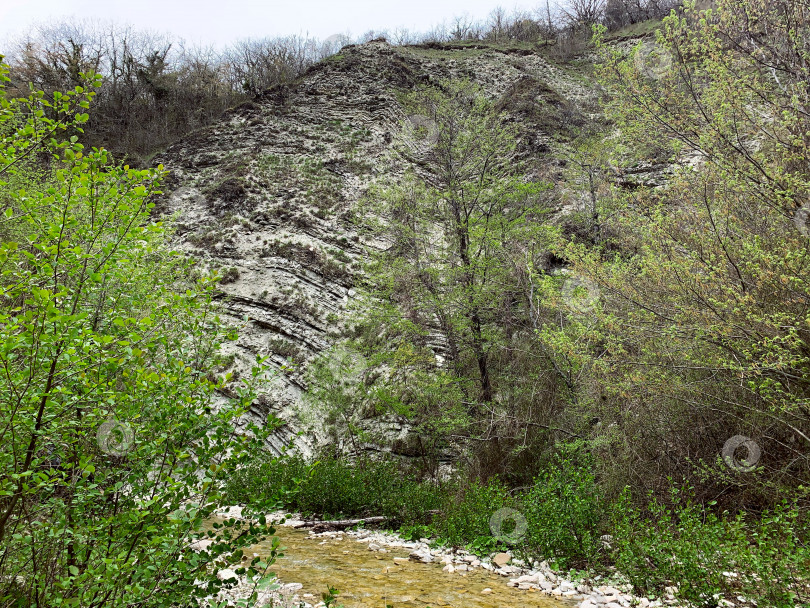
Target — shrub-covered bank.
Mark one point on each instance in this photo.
(563, 517)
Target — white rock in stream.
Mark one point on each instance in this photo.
(423, 556)
(228, 512)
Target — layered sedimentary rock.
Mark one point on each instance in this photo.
(269, 194)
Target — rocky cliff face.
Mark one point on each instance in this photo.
(267, 194)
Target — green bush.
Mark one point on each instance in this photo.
(266, 478)
(337, 489)
(332, 488)
(410, 502)
(566, 512)
(114, 449)
(692, 547)
(465, 519)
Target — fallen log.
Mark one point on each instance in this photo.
(339, 524)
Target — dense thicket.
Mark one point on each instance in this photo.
(154, 87)
(703, 331)
(680, 319)
(113, 452)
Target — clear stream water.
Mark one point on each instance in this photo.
(370, 579)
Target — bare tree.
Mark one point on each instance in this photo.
(373, 35)
(333, 44)
(464, 28)
(402, 36)
(497, 23)
(582, 14)
(257, 65)
(548, 20)
(520, 26)
(620, 13)
(438, 33)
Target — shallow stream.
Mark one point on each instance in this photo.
(370, 579)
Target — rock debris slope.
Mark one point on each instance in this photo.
(267, 194)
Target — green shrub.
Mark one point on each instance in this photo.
(414, 533)
(692, 547)
(465, 519)
(337, 489)
(231, 275)
(566, 512)
(265, 477)
(410, 502)
(114, 447)
(332, 488)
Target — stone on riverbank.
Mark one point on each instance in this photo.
(501, 559)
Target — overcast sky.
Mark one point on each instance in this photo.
(219, 22)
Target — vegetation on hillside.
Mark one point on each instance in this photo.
(664, 327)
(156, 88)
(114, 443)
(631, 381)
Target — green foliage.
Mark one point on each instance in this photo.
(330, 597)
(701, 329)
(566, 511)
(231, 275)
(693, 547)
(337, 385)
(333, 488)
(443, 328)
(565, 515)
(415, 532)
(113, 456)
(465, 519)
(265, 478)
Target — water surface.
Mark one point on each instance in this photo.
(367, 579)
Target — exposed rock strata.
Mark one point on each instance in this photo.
(268, 193)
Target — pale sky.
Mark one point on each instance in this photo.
(219, 22)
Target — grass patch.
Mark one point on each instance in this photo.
(637, 30)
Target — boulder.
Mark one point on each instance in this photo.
(423, 556)
(501, 559)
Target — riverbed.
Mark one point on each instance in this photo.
(371, 579)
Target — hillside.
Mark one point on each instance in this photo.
(267, 194)
(532, 296)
